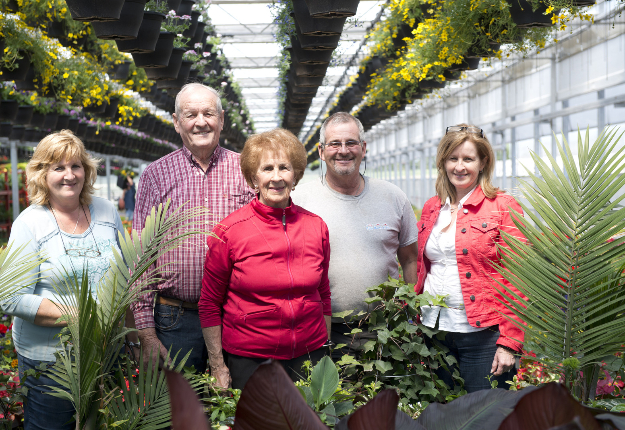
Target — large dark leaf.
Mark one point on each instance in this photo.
(549, 406)
(380, 413)
(270, 401)
(482, 410)
(187, 412)
(617, 421)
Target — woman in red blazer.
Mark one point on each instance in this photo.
(265, 292)
(460, 240)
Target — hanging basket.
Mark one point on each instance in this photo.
(468, 63)
(190, 32)
(172, 69)
(5, 129)
(29, 135)
(193, 76)
(28, 84)
(305, 81)
(91, 130)
(72, 124)
(311, 70)
(111, 108)
(95, 10)
(309, 57)
(316, 43)
(19, 73)
(123, 71)
(431, 84)
(173, 4)
(332, 8)
(524, 17)
(160, 56)
(126, 27)
(37, 119)
(55, 29)
(81, 129)
(49, 122)
(24, 115)
(62, 122)
(197, 37)
(147, 35)
(95, 109)
(316, 26)
(185, 8)
(8, 110)
(17, 132)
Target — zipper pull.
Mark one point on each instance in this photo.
(284, 218)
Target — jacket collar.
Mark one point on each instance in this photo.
(474, 199)
(272, 215)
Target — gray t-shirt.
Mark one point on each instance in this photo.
(365, 233)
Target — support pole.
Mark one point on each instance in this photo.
(15, 181)
(108, 178)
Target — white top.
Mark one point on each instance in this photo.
(443, 277)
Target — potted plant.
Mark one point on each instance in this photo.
(128, 24)
(95, 10)
(149, 31)
(161, 54)
(316, 26)
(332, 8)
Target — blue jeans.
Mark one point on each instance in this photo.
(180, 329)
(41, 410)
(475, 353)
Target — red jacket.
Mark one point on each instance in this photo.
(478, 229)
(266, 282)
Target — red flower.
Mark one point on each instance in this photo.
(3, 329)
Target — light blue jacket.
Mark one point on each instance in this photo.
(37, 228)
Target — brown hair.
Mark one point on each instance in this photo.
(275, 140)
(447, 145)
(55, 148)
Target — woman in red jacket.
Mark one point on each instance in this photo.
(265, 291)
(460, 239)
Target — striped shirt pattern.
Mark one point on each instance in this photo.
(222, 189)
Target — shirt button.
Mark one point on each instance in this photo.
(468, 274)
(472, 297)
(484, 225)
(205, 200)
(466, 211)
(464, 230)
(477, 323)
(465, 251)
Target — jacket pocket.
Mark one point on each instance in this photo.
(485, 235)
(311, 317)
(264, 313)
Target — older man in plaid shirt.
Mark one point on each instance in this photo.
(200, 174)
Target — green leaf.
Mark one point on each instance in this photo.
(347, 359)
(324, 380)
(383, 366)
(342, 314)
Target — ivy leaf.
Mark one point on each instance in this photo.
(383, 366)
(369, 345)
(347, 359)
(342, 314)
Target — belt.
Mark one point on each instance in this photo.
(175, 302)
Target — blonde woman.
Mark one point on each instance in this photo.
(76, 232)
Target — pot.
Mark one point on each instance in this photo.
(305, 81)
(55, 29)
(37, 120)
(95, 10)
(24, 115)
(198, 36)
(173, 4)
(111, 108)
(72, 124)
(190, 32)
(309, 57)
(95, 109)
(29, 135)
(123, 71)
(468, 63)
(316, 26)
(19, 73)
(316, 43)
(16, 134)
(172, 69)
(5, 129)
(524, 17)
(81, 129)
(332, 8)
(91, 129)
(308, 69)
(147, 36)
(431, 84)
(193, 76)
(62, 122)
(185, 8)
(28, 84)
(49, 122)
(126, 27)
(161, 55)
(8, 110)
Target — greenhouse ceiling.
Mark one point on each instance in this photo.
(246, 29)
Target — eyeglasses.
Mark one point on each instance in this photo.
(336, 145)
(473, 130)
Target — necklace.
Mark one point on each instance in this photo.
(77, 252)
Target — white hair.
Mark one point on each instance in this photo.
(195, 85)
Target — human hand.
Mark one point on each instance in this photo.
(222, 375)
(152, 347)
(504, 361)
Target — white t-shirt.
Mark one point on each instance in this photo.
(365, 233)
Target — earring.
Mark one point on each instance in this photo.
(293, 188)
(481, 171)
(256, 188)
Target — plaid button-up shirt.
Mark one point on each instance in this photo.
(222, 189)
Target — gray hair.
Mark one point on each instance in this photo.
(195, 85)
(340, 118)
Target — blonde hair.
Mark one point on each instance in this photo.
(447, 145)
(55, 148)
(275, 140)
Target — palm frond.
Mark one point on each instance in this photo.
(568, 271)
(16, 269)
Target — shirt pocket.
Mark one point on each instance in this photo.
(237, 199)
(485, 235)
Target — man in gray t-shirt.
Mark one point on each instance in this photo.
(370, 221)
